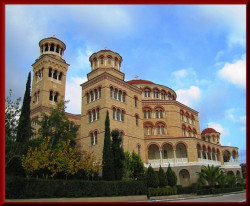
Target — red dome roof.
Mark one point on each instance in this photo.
(209, 130)
(140, 81)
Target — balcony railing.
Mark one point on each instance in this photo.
(236, 163)
(210, 162)
(165, 162)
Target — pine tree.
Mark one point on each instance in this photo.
(24, 130)
(118, 154)
(152, 178)
(163, 181)
(107, 159)
(171, 177)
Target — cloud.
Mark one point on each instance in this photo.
(188, 96)
(229, 114)
(234, 73)
(186, 77)
(218, 128)
(74, 94)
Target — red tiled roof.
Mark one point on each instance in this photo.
(105, 50)
(140, 81)
(208, 130)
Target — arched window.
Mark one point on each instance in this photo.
(95, 61)
(114, 113)
(60, 76)
(147, 92)
(52, 47)
(136, 120)
(122, 116)
(96, 94)
(118, 115)
(148, 130)
(92, 96)
(115, 61)
(183, 130)
(56, 97)
(111, 92)
(147, 114)
(94, 115)
(55, 74)
(51, 95)
(156, 93)
(93, 137)
(109, 60)
(101, 59)
(90, 116)
(135, 101)
(120, 96)
(124, 97)
(181, 115)
(50, 72)
(158, 114)
(163, 95)
(57, 49)
(46, 47)
(160, 129)
(115, 94)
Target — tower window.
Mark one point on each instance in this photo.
(57, 49)
(135, 102)
(55, 75)
(50, 72)
(56, 97)
(51, 95)
(136, 120)
(52, 47)
(93, 137)
(46, 47)
(60, 76)
(101, 60)
(147, 93)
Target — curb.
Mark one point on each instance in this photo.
(193, 196)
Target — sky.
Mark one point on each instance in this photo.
(197, 50)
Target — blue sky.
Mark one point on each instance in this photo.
(197, 50)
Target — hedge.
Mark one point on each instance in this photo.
(161, 191)
(218, 190)
(18, 187)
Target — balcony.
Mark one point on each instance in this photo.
(155, 163)
(209, 162)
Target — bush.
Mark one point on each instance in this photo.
(161, 191)
(218, 190)
(18, 187)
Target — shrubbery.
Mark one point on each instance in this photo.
(161, 191)
(218, 190)
(18, 187)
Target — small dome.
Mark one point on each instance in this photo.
(140, 81)
(209, 130)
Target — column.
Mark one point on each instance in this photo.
(216, 157)
(211, 155)
(206, 155)
(201, 154)
(174, 156)
(160, 157)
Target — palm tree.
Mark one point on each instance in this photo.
(211, 175)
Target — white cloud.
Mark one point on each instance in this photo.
(235, 73)
(188, 96)
(218, 128)
(74, 94)
(229, 114)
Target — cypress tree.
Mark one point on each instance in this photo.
(163, 181)
(137, 167)
(24, 130)
(118, 154)
(107, 159)
(152, 178)
(171, 176)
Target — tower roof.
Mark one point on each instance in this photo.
(140, 81)
(209, 130)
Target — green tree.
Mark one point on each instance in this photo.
(222, 180)
(127, 166)
(152, 177)
(163, 181)
(107, 160)
(118, 154)
(171, 176)
(24, 130)
(57, 126)
(137, 167)
(211, 175)
(231, 181)
(12, 148)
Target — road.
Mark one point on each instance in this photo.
(238, 197)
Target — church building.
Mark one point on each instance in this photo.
(151, 121)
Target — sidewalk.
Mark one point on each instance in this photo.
(136, 198)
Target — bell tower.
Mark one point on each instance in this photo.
(49, 77)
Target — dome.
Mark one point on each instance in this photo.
(140, 81)
(209, 130)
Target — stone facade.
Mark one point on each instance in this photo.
(150, 120)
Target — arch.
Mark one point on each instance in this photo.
(181, 149)
(146, 88)
(148, 123)
(153, 151)
(230, 173)
(147, 108)
(160, 123)
(184, 177)
(238, 174)
(154, 143)
(167, 150)
(159, 107)
(226, 155)
(204, 148)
